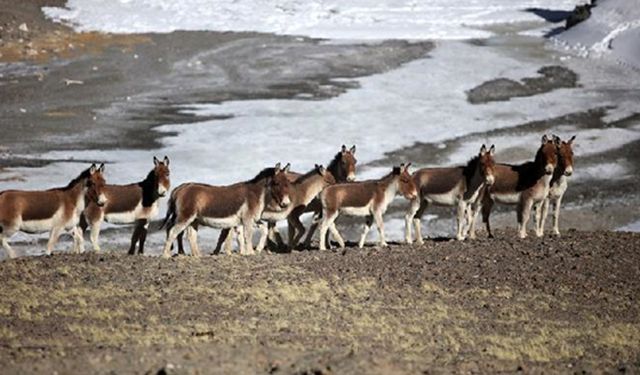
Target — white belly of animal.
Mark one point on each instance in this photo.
(357, 211)
(507, 198)
(126, 217)
(43, 225)
(221, 222)
(447, 199)
(275, 215)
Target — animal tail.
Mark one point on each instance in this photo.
(170, 218)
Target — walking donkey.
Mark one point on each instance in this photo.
(133, 203)
(558, 185)
(523, 184)
(364, 198)
(194, 204)
(54, 210)
(304, 191)
(456, 186)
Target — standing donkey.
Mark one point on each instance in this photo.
(303, 191)
(54, 210)
(523, 184)
(194, 204)
(558, 185)
(364, 198)
(459, 186)
(133, 203)
(342, 168)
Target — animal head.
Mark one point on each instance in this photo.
(280, 186)
(161, 173)
(406, 186)
(348, 162)
(547, 154)
(487, 164)
(565, 154)
(95, 185)
(327, 177)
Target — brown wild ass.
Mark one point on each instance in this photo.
(459, 186)
(342, 168)
(133, 203)
(303, 191)
(194, 204)
(364, 198)
(54, 210)
(558, 185)
(523, 184)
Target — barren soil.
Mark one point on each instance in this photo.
(568, 304)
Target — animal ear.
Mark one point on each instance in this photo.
(571, 140)
(155, 161)
(353, 149)
(286, 167)
(321, 170)
(483, 149)
(92, 168)
(344, 149)
(101, 168)
(545, 139)
(492, 150)
(166, 160)
(277, 167)
(556, 139)
(406, 167)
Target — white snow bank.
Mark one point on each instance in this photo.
(333, 19)
(612, 30)
(631, 227)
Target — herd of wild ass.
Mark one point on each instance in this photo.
(277, 194)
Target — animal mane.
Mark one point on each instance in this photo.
(469, 169)
(334, 162)
(265, 173)
(307, 175)
(84, 175)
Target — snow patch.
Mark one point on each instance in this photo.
(348, 19)
(613, 30)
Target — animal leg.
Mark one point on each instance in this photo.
(263, 229)
(192, 237)
(143, 236)
(556, 216)
(462, 206)
(222, 238)
(487, 205)
(53, 239)
(317, 219)
(296, 230)
(78, 243)
(408, 217)
(248, 236)
(95, 233)
(473, 211)
(336, 235)
(538, 218)
(327, 221)
(524, 212)
(365, 230)
(172, 235)
(7, 247)
(239, 233)
(417, 221)
(274, 235)
(377, 216)
(137, 231)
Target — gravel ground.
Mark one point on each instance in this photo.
(568, 304)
